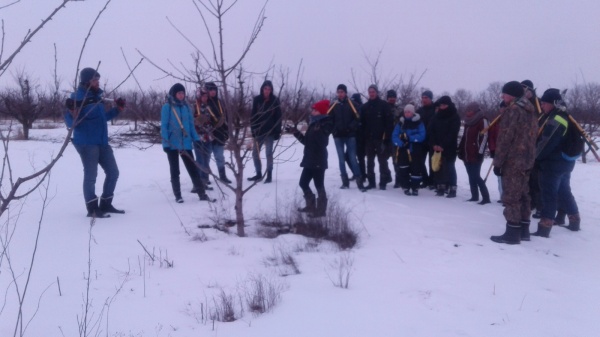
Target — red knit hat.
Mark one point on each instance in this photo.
(322, 106)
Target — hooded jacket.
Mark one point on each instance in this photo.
(266, 114)
(443, 130)
(176, 136)
(221, 130)
(409, 132)
(90, 126)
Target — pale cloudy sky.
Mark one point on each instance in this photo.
(461, 44)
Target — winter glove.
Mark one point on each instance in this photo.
(70, 104)
(498, 171)
(120, 102)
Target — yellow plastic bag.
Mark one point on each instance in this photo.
(436, 161)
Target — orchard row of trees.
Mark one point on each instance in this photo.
(28, 101)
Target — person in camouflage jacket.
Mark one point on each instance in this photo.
(514, 158)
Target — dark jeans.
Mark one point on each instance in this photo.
(361, 153)
(556, 189)
(476, 182)
(349, 152)
(188, 161)
(218, 151)
(202, 150)
(379, 150)
(267, 141)
(91, 157)
(316, 175)
(534, 188)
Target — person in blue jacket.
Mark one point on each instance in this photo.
(87, 116)
(408, 136)
(178, 136)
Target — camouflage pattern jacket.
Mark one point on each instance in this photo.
(517, 135)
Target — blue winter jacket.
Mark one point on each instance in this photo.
(549, 155)
(90, 126)
(412, 128)
(175, 136)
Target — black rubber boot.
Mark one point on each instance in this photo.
(94, 211)
(257, 177)
(452, 192)
(360, 185)
(107, 207)
(544, 228)
(311, 203)
(371, 179)
(525, 235)
(345, 182)
(223, 176)
(511, 236)
(268, 177)
(321, 210)
(441, 190)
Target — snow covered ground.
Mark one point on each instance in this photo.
(424, 265)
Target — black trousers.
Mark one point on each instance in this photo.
(190, 166)
(382, 152)
(317, 176)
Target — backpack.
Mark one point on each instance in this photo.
(573, 142)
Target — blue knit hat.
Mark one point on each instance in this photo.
(86, 75)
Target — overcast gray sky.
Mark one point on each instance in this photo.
(460, 44)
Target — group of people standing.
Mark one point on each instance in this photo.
(530, 140)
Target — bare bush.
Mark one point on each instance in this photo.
(336, 226)
(223, 308)
(282, 258)
(342, 269)
(262, 293)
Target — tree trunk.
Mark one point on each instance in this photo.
(26, 131)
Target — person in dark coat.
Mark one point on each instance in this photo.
(408, 136)
(220, 128)
(471, 150)
(345, 118)
(426, 111)
(314, 160)
(87, 116)
(178, 135)
(555, 166)
(377, 124)
(443, 137)
(534, 188)
(265, 124)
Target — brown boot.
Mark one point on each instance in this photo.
(544, 228)
(574, 222)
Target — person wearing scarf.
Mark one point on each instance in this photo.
(471, 149)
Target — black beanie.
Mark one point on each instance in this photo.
(210, 86)
(391, 94)
(342, 87)
(427, 93)
(86, 75)
(513, 88)
(527, 84)
(177, 87)
(444, 100)
(356, 98)
(551, 95)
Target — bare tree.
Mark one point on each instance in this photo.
(23, 104)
